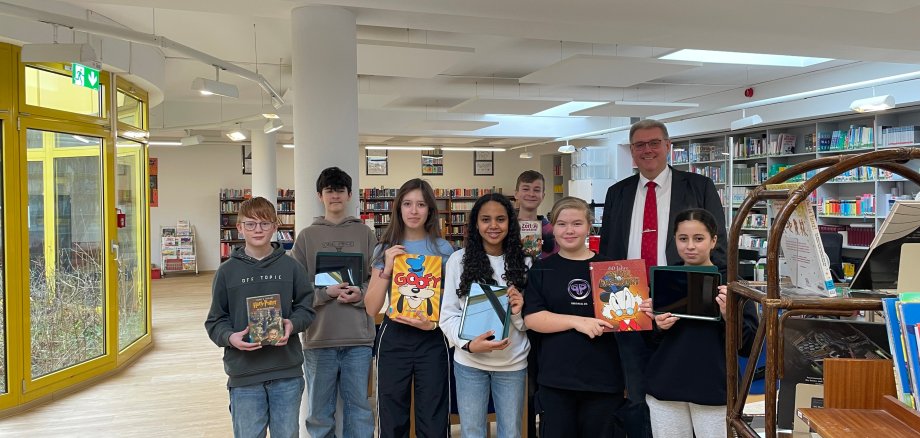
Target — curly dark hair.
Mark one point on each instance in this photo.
(476, 267)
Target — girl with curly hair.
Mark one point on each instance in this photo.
(487, 365)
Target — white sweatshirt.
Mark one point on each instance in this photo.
(512, 358)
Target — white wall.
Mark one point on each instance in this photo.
(189, 182)
(458, 170)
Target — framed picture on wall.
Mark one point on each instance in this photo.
(377, 162)
(483, 168)
(247, 159)
(432, 163)
(482, 156)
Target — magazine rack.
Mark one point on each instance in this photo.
(769, 331)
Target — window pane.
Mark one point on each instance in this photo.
(56, 91)
(132, 272)
(130, 110)
(67, 306)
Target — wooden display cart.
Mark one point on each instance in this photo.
(769, 331)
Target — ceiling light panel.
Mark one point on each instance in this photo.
(623, 108)
(718, 57)
(409, 60)
(444, 140)
(567, 109)
(452, 125)
(208, 87)
(524, 107)
(606, 71)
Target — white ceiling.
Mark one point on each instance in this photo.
(406, 88)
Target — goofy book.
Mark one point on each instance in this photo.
(416, 288)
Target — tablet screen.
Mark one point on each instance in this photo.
(336, 268)
(691, 294)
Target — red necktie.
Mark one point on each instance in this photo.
(650, 227)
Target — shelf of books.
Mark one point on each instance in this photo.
(177, 248)
(454, 206)
(854, 203)
(230, 200)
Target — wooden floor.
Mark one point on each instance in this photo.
(177, 389)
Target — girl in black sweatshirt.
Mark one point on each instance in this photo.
(686, 373)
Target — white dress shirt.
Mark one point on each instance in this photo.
(663, 198)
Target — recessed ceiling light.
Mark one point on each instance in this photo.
(717, 57)
(567, 108)
(288, 146)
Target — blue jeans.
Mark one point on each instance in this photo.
(473, 389)
(329, 371)
(274, 404)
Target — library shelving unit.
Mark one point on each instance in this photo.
(775, 306)
(453, 207)
(854, 203)
(230, 200)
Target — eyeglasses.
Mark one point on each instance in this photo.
(651, 144)
(251, 226)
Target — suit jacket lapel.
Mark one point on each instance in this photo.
(678, 204)
(628, 199)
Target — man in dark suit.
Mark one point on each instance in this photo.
(637, 224)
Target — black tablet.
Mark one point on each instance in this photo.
(686, 291)
(338, 267)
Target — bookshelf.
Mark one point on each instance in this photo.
(854, 203)
(230, 200)
(454, 206)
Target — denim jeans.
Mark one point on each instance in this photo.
(329, 372)
(473, 389)
(274, 404)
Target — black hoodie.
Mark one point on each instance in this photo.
(241, 277)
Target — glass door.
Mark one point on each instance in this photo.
(131, 257)
(67, 305)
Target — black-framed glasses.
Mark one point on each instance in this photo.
(651, 144)
(251, 225)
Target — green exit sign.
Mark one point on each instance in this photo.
(85, 76)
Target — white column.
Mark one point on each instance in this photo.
(264, 166)
(324, 69)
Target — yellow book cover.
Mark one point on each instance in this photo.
(415, 291)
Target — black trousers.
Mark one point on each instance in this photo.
(584, 414)
(405, 353)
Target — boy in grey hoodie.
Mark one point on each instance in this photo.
(265, 381)
(337, 347)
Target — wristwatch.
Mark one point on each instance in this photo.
(466, 347)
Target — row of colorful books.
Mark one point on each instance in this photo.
(781, 144)
(756, 174)
(863, 205)
(715, 173)
(856, 137)
(750, 147)
(902, 320)
(900, 135)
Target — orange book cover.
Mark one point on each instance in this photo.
(618, 288)
(416, 287)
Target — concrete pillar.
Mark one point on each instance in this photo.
(264, 166)
(325, 85)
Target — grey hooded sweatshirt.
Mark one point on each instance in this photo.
(241, 277)
(337, 324)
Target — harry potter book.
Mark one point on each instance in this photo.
(415, 291)
(618, 288)
(265, 322)
(531, 237)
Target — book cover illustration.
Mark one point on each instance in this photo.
(808, 341)
(909, 317)
(265, 324)
(803, 251)
(898, 353)
(482, 313)
(532, 237)
(618, 288)
(415, 291)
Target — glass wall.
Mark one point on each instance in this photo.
(132, 257)
(53, 90)
(67, 251)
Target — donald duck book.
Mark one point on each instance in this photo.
(618, 288)
(415, 291)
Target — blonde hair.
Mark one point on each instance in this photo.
(257, 208)
(571, 202)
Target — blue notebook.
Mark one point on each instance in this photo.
(898, 354)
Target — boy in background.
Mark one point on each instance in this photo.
(529, 193)
(337, 347)
(265, 382)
